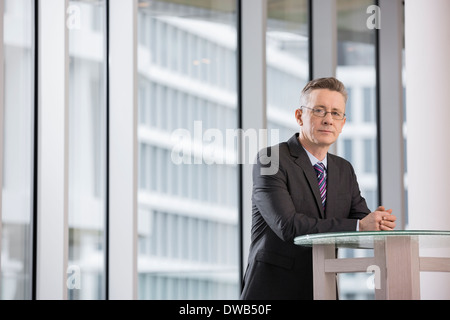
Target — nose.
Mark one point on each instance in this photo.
(327, 119)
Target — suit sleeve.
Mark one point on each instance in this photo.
(271, 198)
(359, 207)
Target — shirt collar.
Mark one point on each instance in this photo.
(314, 160)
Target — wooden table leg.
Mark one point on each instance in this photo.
(379, 250)
(324, 282)
(403, 268)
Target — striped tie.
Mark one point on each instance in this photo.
(320, 170)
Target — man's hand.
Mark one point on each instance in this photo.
(380, 219)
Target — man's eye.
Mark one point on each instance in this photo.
(337, 114)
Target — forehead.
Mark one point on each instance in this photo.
(327, 98)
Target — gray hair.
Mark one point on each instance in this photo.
(329, 83)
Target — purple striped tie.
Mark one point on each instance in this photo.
(320, 170)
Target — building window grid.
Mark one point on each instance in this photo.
(348, 105)
(188, 109)
(202, 247)
(157, 99)
(190, 62)
(369, 105)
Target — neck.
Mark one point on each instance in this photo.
(320, 152)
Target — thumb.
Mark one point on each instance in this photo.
(380, 208)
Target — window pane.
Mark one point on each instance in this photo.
(357, 70)
(188, 211)
(17, 188)
(87, 149)
(287, 63)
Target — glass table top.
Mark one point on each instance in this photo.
(366, 239)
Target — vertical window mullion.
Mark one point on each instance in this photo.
(2, 105)
(252, 111)
(52, 228)
(391, 108)
(123, 150)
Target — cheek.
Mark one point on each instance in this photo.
(308, 127)
(313, 125)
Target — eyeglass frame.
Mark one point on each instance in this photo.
(314, 110)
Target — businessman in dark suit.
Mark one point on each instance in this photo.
(293, 200)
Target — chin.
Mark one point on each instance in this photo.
(327, 142)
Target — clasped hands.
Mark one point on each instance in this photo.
(379, 220)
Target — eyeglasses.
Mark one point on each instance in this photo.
(319, 112)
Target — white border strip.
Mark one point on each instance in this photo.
(2, 108)
(123, 148)
(253, 112)
(391, 109)
(52, 228)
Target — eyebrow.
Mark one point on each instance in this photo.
(323, 107)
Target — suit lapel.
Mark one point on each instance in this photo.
(304, 163)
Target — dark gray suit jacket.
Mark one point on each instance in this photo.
(287, 204)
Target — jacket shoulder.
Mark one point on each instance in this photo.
(340, 162)
(270, 150)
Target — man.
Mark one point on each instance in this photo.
(295, 200)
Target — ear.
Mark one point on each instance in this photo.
(298, 116)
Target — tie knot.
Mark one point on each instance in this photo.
(320, 167)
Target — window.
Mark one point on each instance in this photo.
(369, 114)
(348, 106)
(188, 200)
(18, 151)
(347, 145)
(188, 210)
(287, 55)
(370, 160)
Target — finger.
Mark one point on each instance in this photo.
(389, 217)
(379, 226)
(387, 225)
(380, 208)
(386, 228)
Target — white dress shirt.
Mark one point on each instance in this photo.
(314, 160)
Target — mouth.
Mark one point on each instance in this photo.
(326, 131)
